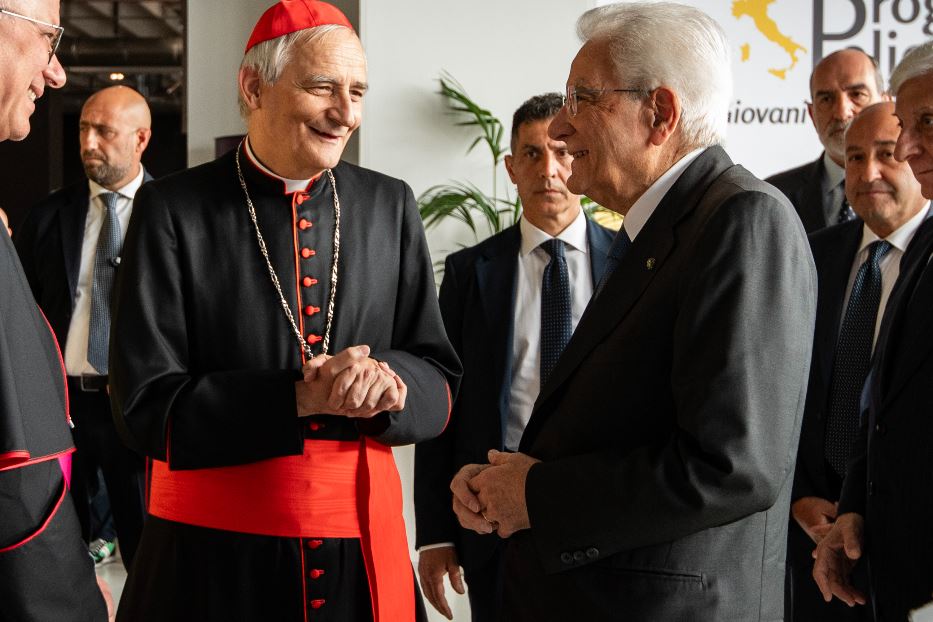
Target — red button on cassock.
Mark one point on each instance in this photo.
(313, 339)
(317, 603)
(301, 197)
(316, 573)
(308, 252)
(314, 427)
(304, 223)
(313, 544)
(308, 281)
(310, 310)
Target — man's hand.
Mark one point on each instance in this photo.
(500, 490)
(433, 564)
(466, 505)
(349, 384)
(836, 555)
(815, 516)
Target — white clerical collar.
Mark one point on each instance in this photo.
(291, 185)
(128, 190)
(573, 234)
(644, 207)
(901, 236)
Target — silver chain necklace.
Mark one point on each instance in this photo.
(304, 345)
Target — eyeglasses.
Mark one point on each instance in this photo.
(576, 94)
(54, 37)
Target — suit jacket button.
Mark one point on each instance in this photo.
(871, 488)
(566, 558)
(578, 556)
(880, 429)
(592, 552)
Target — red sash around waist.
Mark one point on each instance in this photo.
(335, 489)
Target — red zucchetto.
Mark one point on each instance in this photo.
(288, 16)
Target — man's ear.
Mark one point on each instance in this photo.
(508, 167)
(667, 112)
(143, 135)
(250, 87)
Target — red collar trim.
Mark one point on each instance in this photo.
(265, 172)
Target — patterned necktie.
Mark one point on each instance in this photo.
(556, 312)
(619, 246)
(105, 263)
(845, 213)
(852, 359)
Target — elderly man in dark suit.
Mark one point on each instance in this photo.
(654, 476)
(70, 247)
(841, 84)
(45, 573)
(498, 300)
(857, 263)
(885, 510)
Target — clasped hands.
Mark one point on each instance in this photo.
(349, 384)
(491, 497)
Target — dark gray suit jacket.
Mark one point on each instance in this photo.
(804, 187)
(477, 300)
(668, 429)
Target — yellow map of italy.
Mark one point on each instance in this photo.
(758, 11)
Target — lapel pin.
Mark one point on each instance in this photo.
(650, 263)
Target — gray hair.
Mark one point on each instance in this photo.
(672, 45)
(268, 59)
(917, 62)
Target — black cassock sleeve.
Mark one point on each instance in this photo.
(209, 389)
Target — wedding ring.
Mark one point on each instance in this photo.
(492, 523)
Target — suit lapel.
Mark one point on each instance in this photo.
(633, 275)
(812, 198)
(599, 241)
(915, 338)
(72, 218)
(834, 277)
(495, 280)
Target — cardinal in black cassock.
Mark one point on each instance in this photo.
(45, 571)
(257, 513)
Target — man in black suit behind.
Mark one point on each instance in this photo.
(62, 246)
(857, 264)
(840, 86)
(491, 300)
(885, 510)
(654, 476)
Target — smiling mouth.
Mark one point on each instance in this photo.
(326, 135)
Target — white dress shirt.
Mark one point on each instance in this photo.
(526, 315)
(644, 207)
(76, 362)
(890, 264)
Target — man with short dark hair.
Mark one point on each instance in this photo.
(653, 479)
(278, 333)
(70, 246)
(496, 299)
(45, 573)
(857, 264)
(840, 86)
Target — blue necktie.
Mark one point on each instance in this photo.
(105, 263)
(619, 246)
(556, 312)
(853, 357)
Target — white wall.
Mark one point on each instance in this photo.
(502, 53)
(217, 33)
